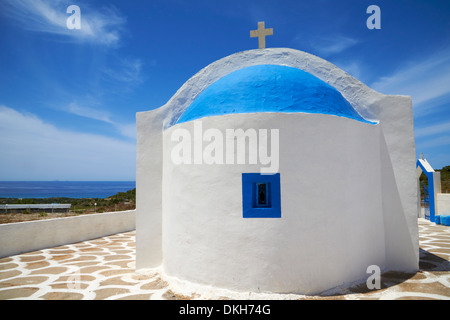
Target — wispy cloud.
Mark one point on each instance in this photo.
(423, 80)
(434, 142)
(434, 129)
(326, 45)
(127, 130)
(50, 16)
(436, 135)
(333, 45)
(427, 82)
(127, 71)
(33, 149)
(330, 47)
(90, 113)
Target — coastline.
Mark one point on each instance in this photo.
(63, 189)
(120, 201)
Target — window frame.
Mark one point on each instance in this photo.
(250, 206)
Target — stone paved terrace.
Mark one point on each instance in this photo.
(103, 269)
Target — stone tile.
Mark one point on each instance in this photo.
(21, 281)
(105, 293)
(62, 257)
(154, 285)
(65, 251)
(419, 276)
(137, 297)
(50, 270)
(5, 260)
(15, 293)
(95, 250)
(170, 295)
(116, 281)
(63, 296)
(81, 277)
(106, 267)
(115, 272)
(82, 259)
(142, 277)
(37, 265)
(94, 268)
(31, 258)
(82, 264)
(8, 265)
(32, 253)
(432, 288)
(69, 285)
(9, 274)
(117, 257)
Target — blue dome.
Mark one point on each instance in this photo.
(269, 88)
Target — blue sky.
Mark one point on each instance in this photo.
(68, 98)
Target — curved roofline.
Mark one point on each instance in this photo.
(269, 88)
(360, 96)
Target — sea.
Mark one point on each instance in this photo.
(66, 189)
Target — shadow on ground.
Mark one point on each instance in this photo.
(428, 263)
(431, 262)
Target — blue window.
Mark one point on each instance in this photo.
(261, 195)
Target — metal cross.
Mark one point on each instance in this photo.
(261, 33)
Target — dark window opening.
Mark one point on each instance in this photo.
(262, 194)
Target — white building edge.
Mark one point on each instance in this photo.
(438, 203)
(349, 201)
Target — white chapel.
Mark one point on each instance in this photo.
(272, 170)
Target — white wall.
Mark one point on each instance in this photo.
(331, 228)
(443, 202)
(149, 188)
(16, 238)
(400, 238)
